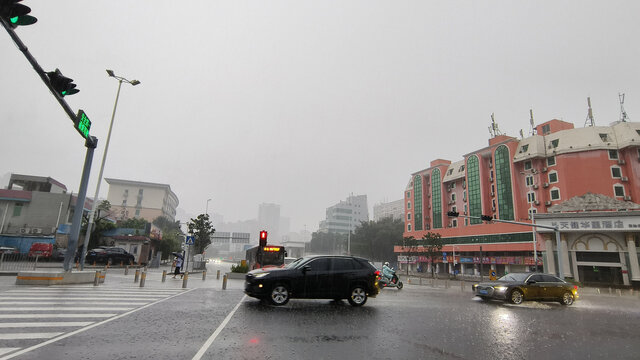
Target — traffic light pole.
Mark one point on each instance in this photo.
(555, 229)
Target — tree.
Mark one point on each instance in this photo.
(375, 239)
(432, 243)
(171, 236)
(100, 224)
(133, 223)
(327, 243)
(409, 245)
(202, 229)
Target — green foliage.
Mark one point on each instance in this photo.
(327, 243)
(172, 236)
(432, 243)
(100, 224)
(133, 223)
(202, 229)
(239, 268)
(375, 240)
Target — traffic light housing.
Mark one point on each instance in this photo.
(15, 14)
(263, 238)
(61, 85)
(453, 213)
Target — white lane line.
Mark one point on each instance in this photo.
(54, 316)
(44, 324)
(26, 350)
(215, 334)
(4, 350)
(80, 298)
(56, 308)
(53, 302)
(24, 336)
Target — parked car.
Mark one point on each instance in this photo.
(8, 250)
(315, 277)
(58, 254)
(109, 255)
(517, 287)
(41, 250)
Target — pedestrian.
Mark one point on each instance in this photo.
(178, 262)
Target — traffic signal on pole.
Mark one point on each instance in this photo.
(263, 238)
(486, 217)
(15, 14)
(61, 84)
(453, 213)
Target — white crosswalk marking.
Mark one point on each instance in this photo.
(32, 317)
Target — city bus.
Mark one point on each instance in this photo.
(265, 256)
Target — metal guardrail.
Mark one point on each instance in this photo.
(18, 262)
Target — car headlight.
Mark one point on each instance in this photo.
(261, 275)
(500, 288)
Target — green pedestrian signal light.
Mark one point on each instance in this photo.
(82, 124)
(15, 14)
(62, 85)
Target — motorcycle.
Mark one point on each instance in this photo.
(384, 282)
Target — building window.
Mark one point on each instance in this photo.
(553, 177)
(137, 212)
(436, 198)
(523, 148)
(464, 195)
(613, 154)
(546, 129)
(532, 211)
(529, 180)
(408, 204)
(527, 165)
(453, 185)
(503, 181)
(618, 190)
(555, 143)
(551, 160)
(605, 138)
(454, 223)
(453, 197)
(417, 201)
(555, 194)
(475, 196)
(17, 209)
(409, 216)
(408, 194)
(531, 197)
(616, 172)
(408, 227)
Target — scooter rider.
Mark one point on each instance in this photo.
(387, 271)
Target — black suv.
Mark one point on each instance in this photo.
(315, 277)
(109, 255)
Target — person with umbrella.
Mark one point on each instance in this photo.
(178, 262)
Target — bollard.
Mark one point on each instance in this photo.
(609, 290)
(94, 263)
(461, 286)
(598, 291)
(446, 284)
(126, 270)
(143, 277)
(185, 279)
(96, 279)
(218, 275)
(619, 292)
(135, 279)
(631, 291)
(164, 275)
(408, 280)
(204, 275)
(77, 265)
(224, 282)
(420, 281)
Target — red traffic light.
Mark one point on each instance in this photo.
(263, 238)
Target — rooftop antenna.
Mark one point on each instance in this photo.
(493, 129)
(532, 130)
(521, 134)
(623, 113)
(590, 121)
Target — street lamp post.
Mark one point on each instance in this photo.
(104, 157)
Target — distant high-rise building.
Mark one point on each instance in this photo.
(346, 215)
(393, 209)
(141, 199)
(269, 220)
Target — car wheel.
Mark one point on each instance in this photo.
(516, 297)
(279, 295)
(357, 296)
(567, 298)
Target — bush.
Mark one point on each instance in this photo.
(239, 268)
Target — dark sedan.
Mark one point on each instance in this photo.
(517, 287)
(109, 255)
(315, 277)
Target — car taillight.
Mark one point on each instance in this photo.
(377, 272)
(575, 287)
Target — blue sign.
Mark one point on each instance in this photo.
(444, 256)
(189, 240)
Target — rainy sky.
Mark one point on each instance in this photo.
(301, 103)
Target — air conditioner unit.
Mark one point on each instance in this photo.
(535, 187)
(537, 202)
(25, 230)
(544, 169)
(36, 231)
(624, 178)
(547, 203)
(621, 162)
(627, 198)
(545, 185)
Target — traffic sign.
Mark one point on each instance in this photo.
(189, 240)
(444, 256)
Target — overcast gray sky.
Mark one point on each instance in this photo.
(300, 102)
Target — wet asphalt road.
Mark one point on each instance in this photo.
(418, 322)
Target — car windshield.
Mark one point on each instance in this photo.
(514, 277)
(294, 264)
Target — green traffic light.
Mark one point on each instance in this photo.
(14, 19)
